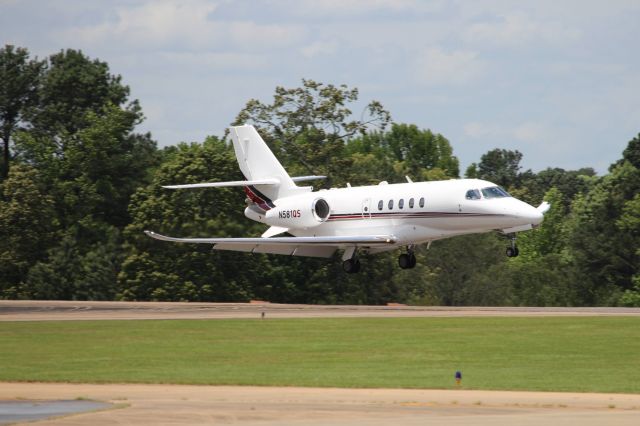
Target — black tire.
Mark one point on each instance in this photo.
(412, 260)
(404, 261)
(351, 266)
(512, 251)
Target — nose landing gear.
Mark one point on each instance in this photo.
(512, 251)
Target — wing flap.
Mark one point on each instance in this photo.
(337, 241)
(315, 251)
(286, 249)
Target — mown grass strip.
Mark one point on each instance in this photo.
(594, 354)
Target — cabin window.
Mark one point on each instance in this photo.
(390, 204)
(410, 203)
(421, 202)
(401, 203)
(473, 194)
(495, 192)
(380, 204)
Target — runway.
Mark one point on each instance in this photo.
(252, 406)
(12, 310)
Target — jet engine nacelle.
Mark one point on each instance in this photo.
(298, 213)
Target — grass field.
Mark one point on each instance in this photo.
(593, 354)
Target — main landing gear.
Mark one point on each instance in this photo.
(512, 250)
(350, 261)
(407, 260)
(351, 266)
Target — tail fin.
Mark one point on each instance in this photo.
(257, 162)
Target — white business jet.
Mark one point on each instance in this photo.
(360, 219)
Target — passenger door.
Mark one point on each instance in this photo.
(366, 208)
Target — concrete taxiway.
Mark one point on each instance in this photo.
(23, 310)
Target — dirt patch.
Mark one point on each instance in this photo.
(200, 405)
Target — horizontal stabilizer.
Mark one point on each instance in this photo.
(305, 178)
(223, 184)
(364, 240)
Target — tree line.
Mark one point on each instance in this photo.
(79, 185)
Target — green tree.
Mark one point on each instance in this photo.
(19, 79)
(631, 154)
(404, 150)
(551, 236)
(500, 166)
(629, 223)
(27, 226)
(74, 272)
(604, 250)
(307, 126)
(72, 85)
(157, 270)
(570, 183)
(81, 140)
(457, 262)
(540, 281)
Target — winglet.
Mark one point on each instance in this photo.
(543, 207)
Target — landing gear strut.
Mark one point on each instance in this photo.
(350, 261)
(512, 250)
(407, 260)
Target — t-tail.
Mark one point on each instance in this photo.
(267, 180)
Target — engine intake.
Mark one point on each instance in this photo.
(320, 209)
(298, 213)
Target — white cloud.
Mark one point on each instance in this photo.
(215, 60)
(434, 67)
(477, 129)
(173, 24)
(527, 131)
(530, 131)
(340, 8)
(319, 48)
(517, 29)
(536, 75)
(153, 22)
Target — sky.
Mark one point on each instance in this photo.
(557, 80)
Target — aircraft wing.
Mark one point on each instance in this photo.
(294, 246)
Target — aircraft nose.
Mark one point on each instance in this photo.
(534, 215)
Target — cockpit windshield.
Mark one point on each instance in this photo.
(495, 192)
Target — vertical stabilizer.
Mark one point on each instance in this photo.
(257, 162)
